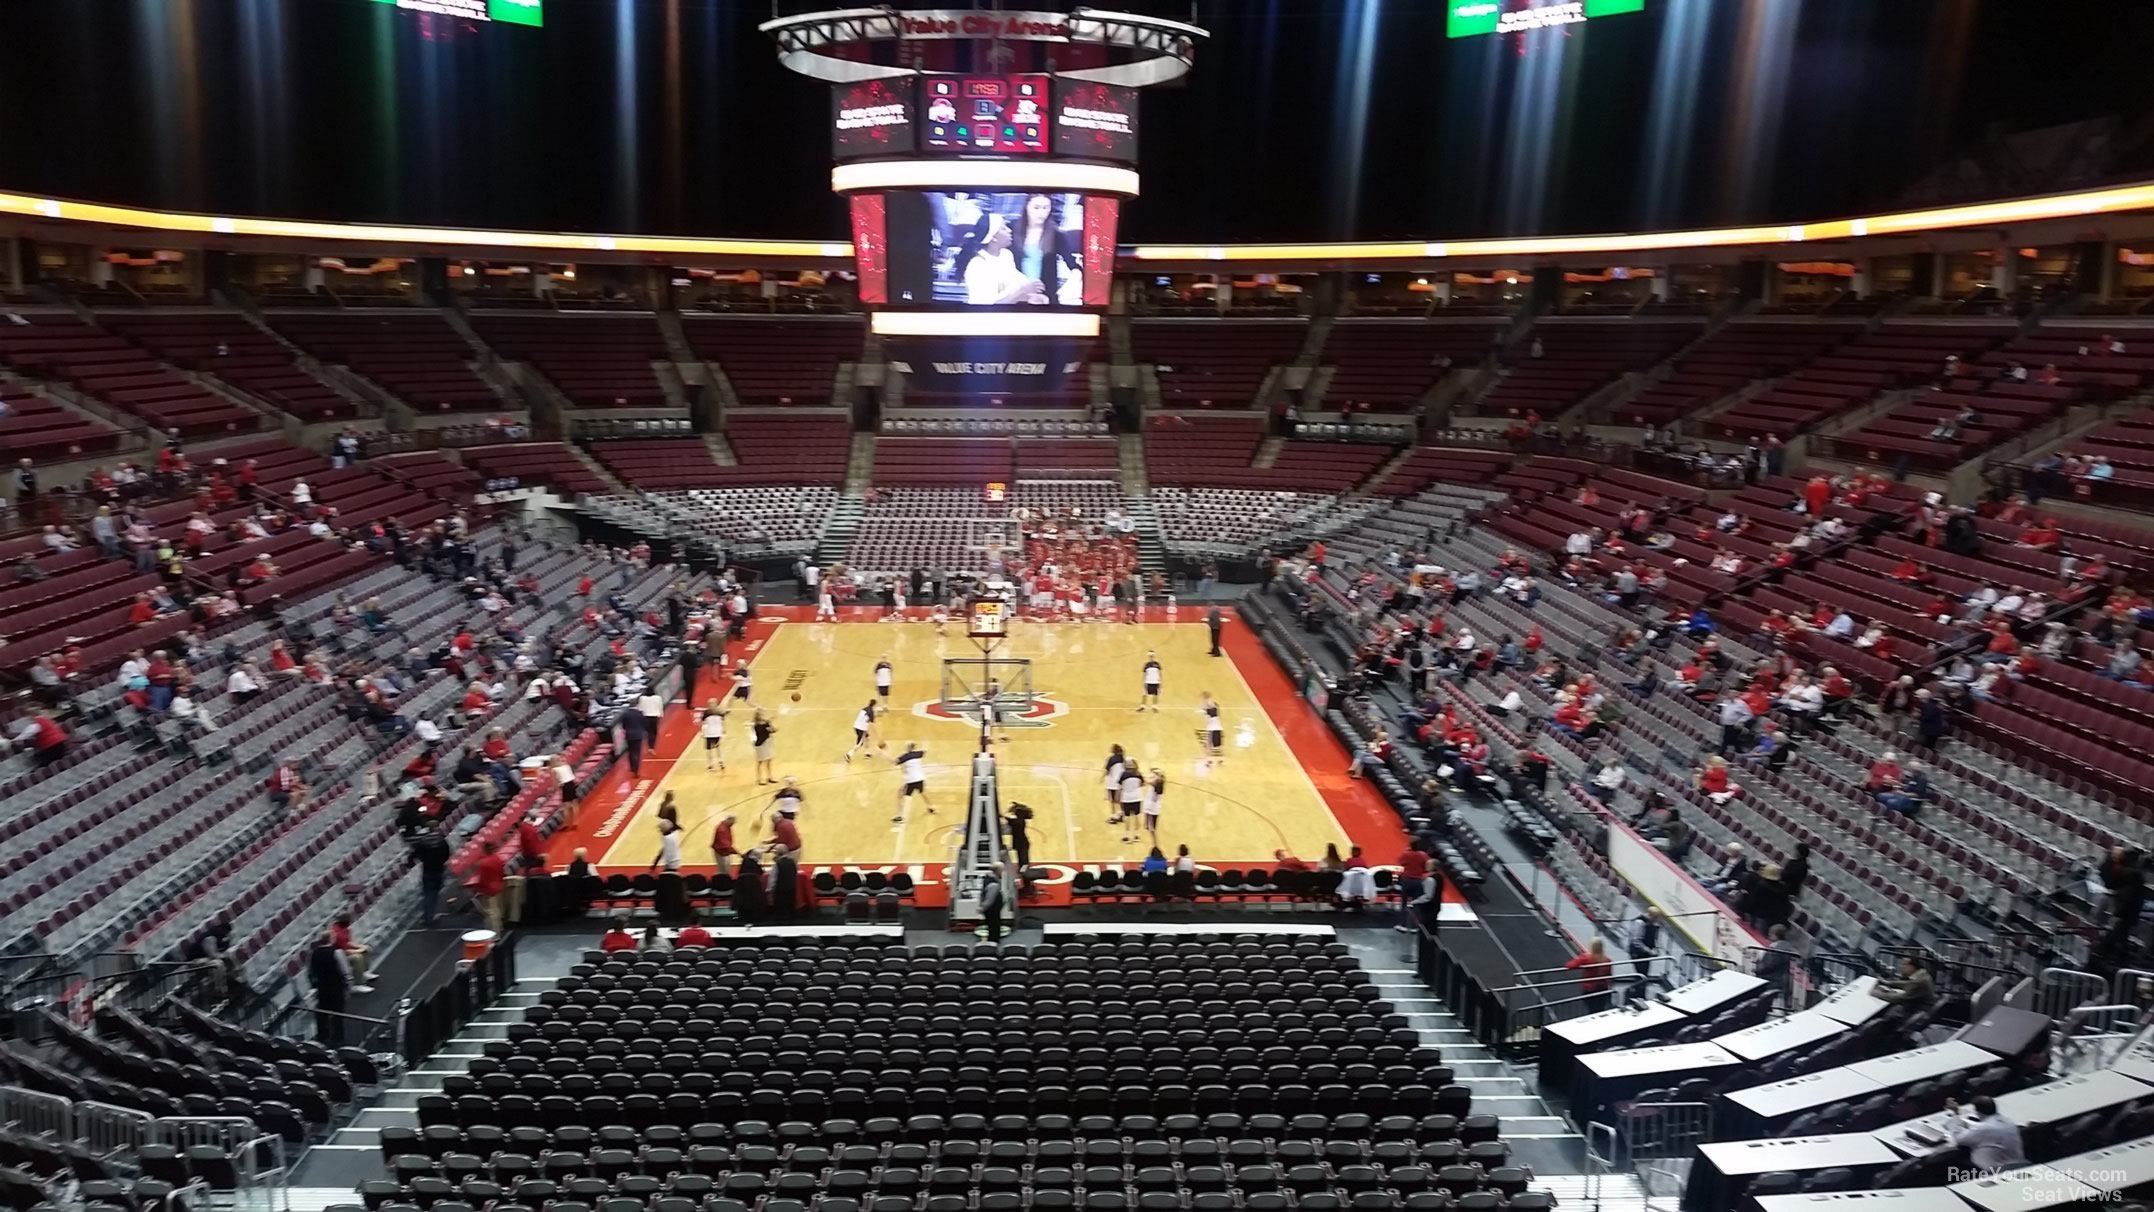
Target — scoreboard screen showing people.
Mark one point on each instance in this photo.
(872, 118)
(985, 115)
(1471, 18)
(994, 249)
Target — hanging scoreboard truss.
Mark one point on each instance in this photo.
(1153, 50)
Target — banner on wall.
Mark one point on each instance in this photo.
(1701, 917)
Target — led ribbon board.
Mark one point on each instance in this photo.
(1471, 18)
(508, 12)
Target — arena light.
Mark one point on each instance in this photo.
(381, 234)
(1050, 177)
(983, 324)
(1980, 214)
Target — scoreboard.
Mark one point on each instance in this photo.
(508, 12)
(989, 115)
(1018, 116)
(1471, 18)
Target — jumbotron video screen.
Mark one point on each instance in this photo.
(972, 249)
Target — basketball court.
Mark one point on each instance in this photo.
(1280, 785)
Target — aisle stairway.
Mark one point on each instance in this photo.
(1151, 546)
(838, 530)
(353, 1153)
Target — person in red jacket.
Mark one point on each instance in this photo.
(1594, 971)
(285, 785)
(692, 935)
(2041, 536)
(723, 849)
(1816, 495)
(489, 880)
(617, 937)
(44, 737)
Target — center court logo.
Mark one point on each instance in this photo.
(1042, 714)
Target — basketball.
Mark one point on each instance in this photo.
(796, 696)
(882, 744)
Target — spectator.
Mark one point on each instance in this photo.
(617, 937)
(43, 736)
(1776, 962)
(286, 787)
(431, 851)
(1714, 779)
(1413, 883)
(1733, 870)
(1912, 987)
(1594, 971)
(1735, 716)
(1674, 836)
(355, 952)
(1930, 722)
(328, 972)
(1992, 1140)
(243, 684)
(489, 880)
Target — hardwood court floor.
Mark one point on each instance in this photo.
(1281, 785)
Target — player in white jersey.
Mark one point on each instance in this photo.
(787, 802)
(713, 724)
(1131, 800)
(826, 602)
(863, 727)
(913, 764)
(1154, 792)
(1215, 737)
(1151, 683)
(743, 682)
(882, 680)
(1115, 764)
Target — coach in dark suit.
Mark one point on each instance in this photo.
(1216, 622)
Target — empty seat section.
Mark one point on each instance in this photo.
(34, 427)
(1440, 465)
(1388, 365)
(1088, 456)
(232, 348)
(793, 360)
(908, 461)
(1725, 363)
(596, 361)
(1215, 363)
(532, 463)
(1851, 373)
(66, 350)
(416, 355)
(652, 463)
(778, 449)
(1577, 359)
(1196, 450)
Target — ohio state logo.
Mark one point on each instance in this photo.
(1042, 714)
